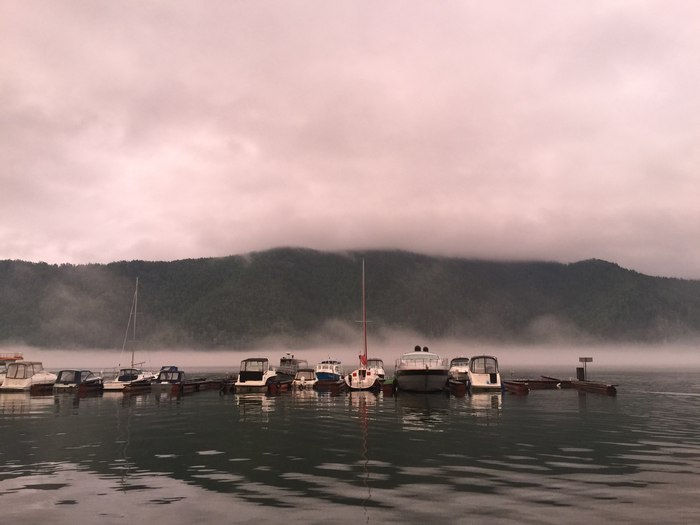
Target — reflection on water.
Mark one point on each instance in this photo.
(412, 458)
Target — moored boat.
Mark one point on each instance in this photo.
(288, 367)
(131, 379)
(459, 370)
(28, 376)
(174, 381)
(421, 371)
(304, 379)
(255, 375)
(80, 381)
(377, 366)
(364, 378)
(329, 370)
(484, 374)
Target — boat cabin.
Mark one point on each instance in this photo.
(128, 374)
(253, 369)
(170, 375)
(75, 377)
(23, 369)
(484, 364)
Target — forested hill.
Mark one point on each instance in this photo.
(235, 301)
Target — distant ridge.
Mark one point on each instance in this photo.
(235, 301)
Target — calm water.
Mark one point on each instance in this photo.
(548, 457)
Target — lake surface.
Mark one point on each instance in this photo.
(549, 457)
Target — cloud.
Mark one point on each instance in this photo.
(154, 130)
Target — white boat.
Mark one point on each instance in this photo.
(256, 375)
(329, 370)
(80, 381)
(5, 360)
(364, 378)
(377, 366)
(483, 374)
(27, 376)
(459, 370)
(304, 379)
(131, 377)
(421, 371)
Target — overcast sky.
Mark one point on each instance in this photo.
(160, 130)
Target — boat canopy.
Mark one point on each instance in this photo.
(128, 374)
(73, 376)
(460, 361)
(483, 364)
(23, 369)
(255, 364)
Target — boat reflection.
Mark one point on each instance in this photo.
(485, 405)
(423, 412)
(255, 407)
(23, 403)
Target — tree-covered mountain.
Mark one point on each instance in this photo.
(236, 301)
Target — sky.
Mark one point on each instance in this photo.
(542, 130)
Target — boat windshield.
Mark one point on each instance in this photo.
(484, 365)
(258, 365)
(20, 371)
(67, 376)
(460, 361)
(375, 363)
(306, 374)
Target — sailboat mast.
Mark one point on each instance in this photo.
(364, 313)
(136, 304)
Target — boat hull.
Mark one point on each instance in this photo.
(431, 380)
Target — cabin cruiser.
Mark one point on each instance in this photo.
(421, 371)
(377, 366)
(26, 376)
(81, 381)
(305, 378)
(289, 366)
(130, 379)
(256, 375)
(483, 374)
(459, 370)
(329, 370)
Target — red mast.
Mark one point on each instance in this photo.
(363, 357)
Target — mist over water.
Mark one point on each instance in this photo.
(511, 357)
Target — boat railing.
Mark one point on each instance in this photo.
(421, 363)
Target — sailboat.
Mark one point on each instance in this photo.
(131, 378)
(364, 378)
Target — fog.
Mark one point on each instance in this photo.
(513, 358)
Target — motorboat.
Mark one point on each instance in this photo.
(329, 370)
(363, 378)
(130, 379)
(174, 381)
(305, 378)
(459, 370)
(80, 381)
(421, 371)
(377, 366)
(256, 375)
(289, 365)
(483, 374)
(27, 376)
(6, 359)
